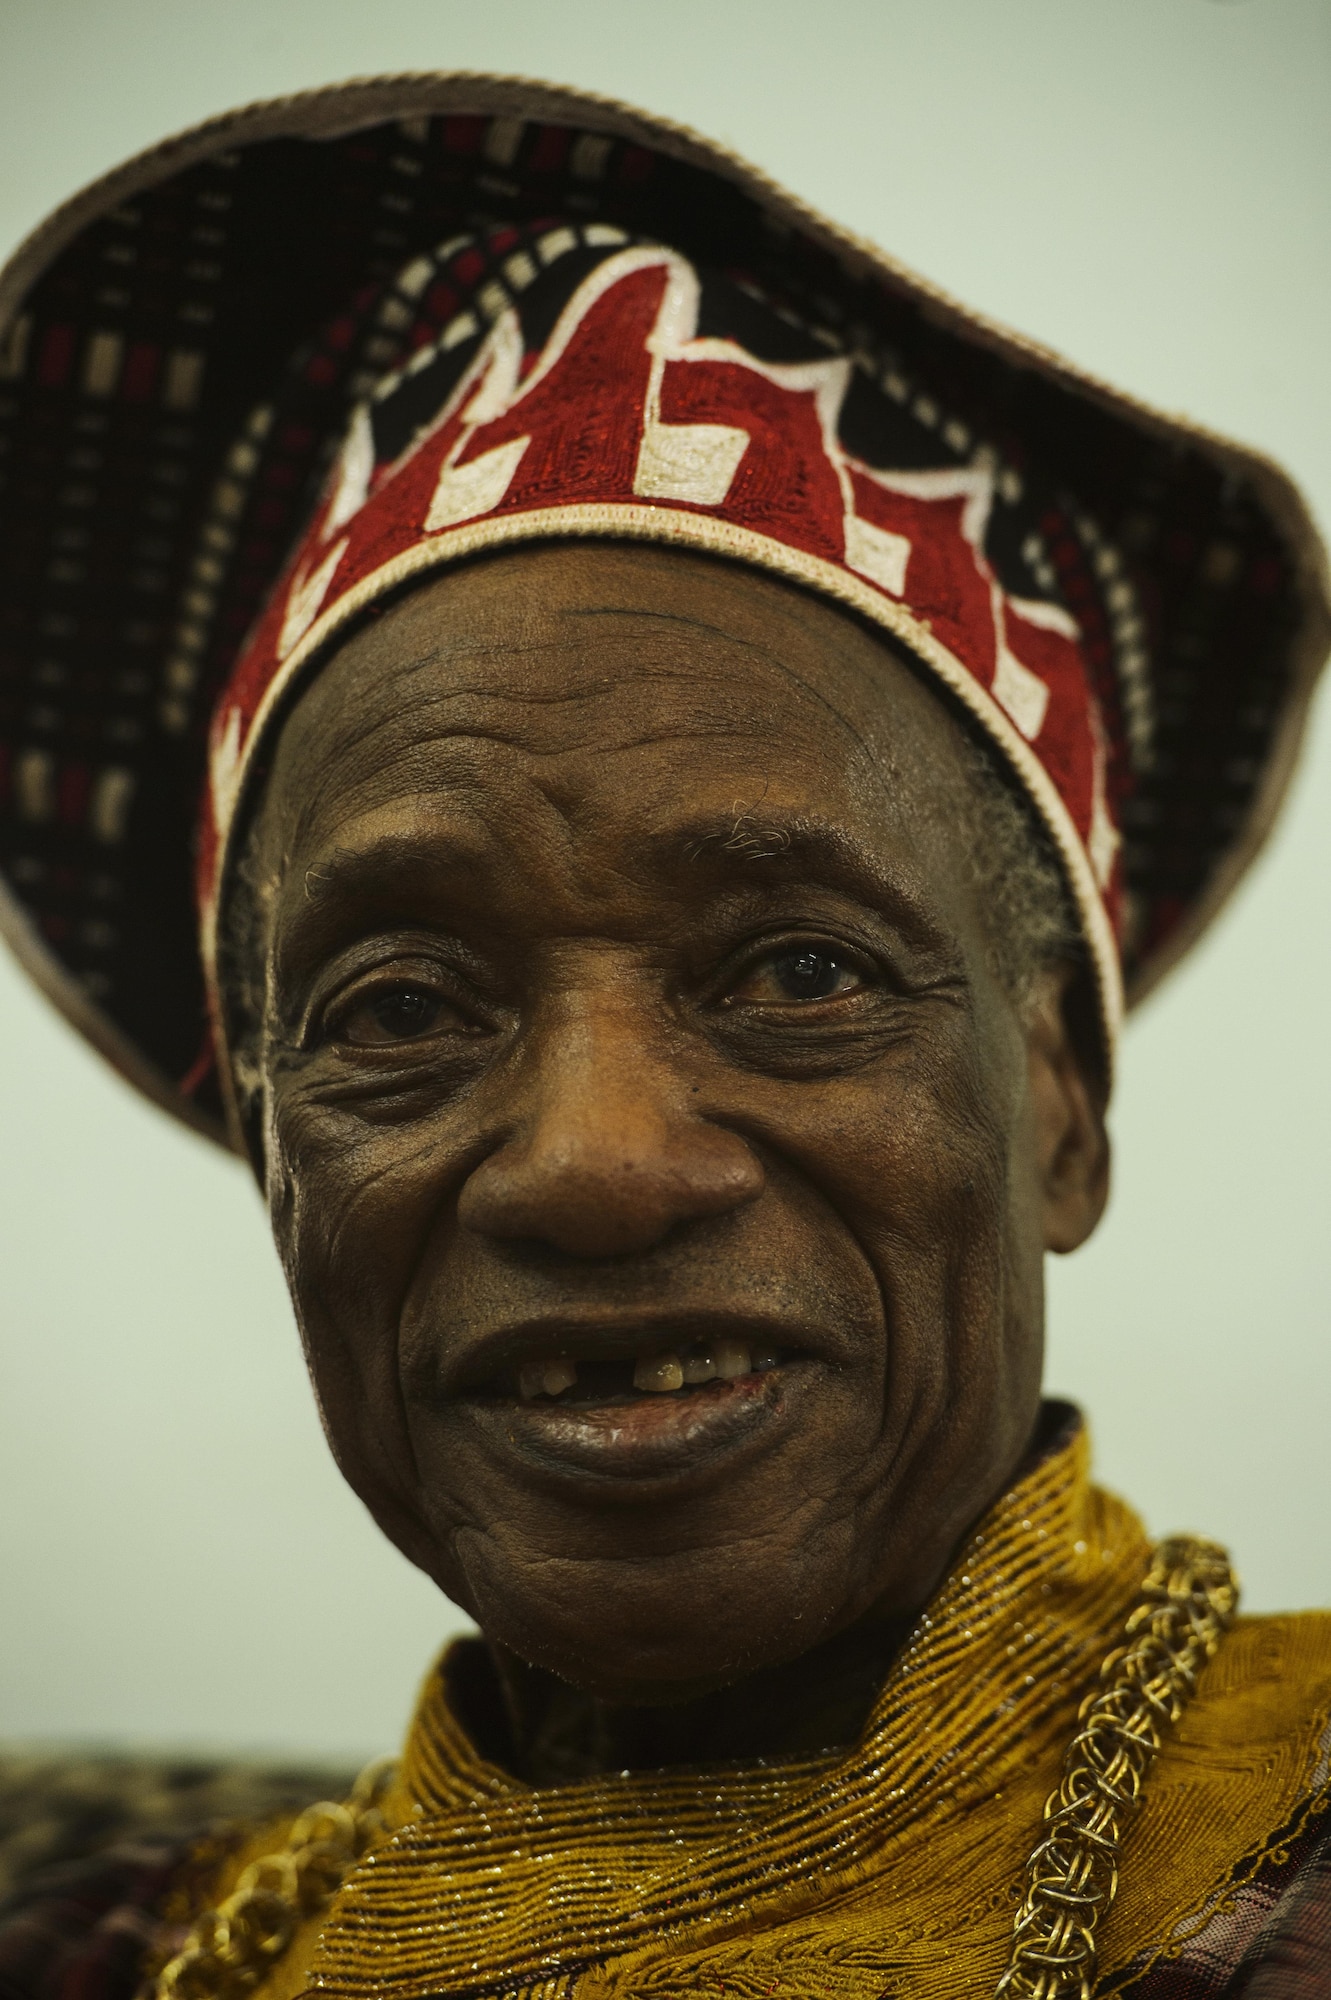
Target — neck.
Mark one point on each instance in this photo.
(548, 1733)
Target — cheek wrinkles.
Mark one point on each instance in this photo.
(348, 1182)
(968, 1422)
(925, 1208)
(352, 1246)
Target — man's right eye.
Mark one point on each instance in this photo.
(395, 1014)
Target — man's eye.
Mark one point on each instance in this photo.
(401, 1014)
(800, 972)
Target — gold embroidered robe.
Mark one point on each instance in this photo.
(891, 1868)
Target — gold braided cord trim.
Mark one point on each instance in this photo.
(1188, 1599)
(232, 1948)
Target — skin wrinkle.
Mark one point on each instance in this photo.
(908, 1435)
(552, 803)
(455, 735)
(642, 671)
(844, 863)
(932, 805)
(767, 655)
(293, 1275)
(884, 1168)
(783, 839)
(516, 656)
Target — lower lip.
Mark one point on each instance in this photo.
(649, 1441)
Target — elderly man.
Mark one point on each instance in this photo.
(691, 731)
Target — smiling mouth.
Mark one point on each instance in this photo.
(648, 1410)
(655, 1371)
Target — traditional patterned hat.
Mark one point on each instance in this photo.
(274, 370)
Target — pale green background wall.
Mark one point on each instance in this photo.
(1143, 183)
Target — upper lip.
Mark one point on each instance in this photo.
(489, 1362)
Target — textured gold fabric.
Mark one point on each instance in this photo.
(892, 1868)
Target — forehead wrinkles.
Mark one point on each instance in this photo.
(549, 698)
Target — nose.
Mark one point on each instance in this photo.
(607, 1155)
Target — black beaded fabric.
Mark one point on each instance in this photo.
(176, 374)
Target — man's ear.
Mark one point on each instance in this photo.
(1068, 1106)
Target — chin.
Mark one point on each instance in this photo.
(639, 1631)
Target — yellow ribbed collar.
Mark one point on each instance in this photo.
(890, 1868)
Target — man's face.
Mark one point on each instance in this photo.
(661, 1173)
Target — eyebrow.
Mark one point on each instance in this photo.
(746, 841)
(758, 845)
(752, 837)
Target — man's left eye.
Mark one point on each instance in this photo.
(799, 973)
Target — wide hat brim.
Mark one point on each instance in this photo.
(145, 322)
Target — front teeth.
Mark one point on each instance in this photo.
(719, 1360)
(546, 1378)
(658, 1374)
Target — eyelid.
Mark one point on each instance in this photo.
(360, 985)
(749, 957)
(371, 990)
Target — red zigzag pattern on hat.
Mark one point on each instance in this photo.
(626, 423)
